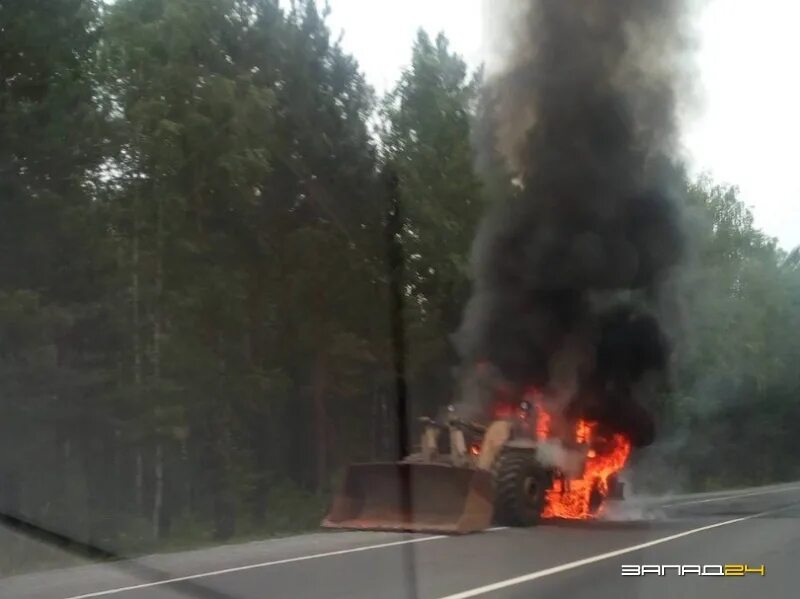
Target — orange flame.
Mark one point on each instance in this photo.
(583, 431)
(580, 498)
(542, 422)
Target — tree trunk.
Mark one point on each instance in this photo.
(159, 287)
(375, 420)
(136, 298)
(136, 344)
(158, 491)
(139, 482)
(224, 497)
(320, 422)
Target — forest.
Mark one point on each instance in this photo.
(196, 226)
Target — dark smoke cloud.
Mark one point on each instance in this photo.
(570, 272)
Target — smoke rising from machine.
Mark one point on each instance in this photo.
(571, 273)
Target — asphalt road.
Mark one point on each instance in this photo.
(573, 559)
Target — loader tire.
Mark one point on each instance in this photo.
(520, 487)
(596, 498)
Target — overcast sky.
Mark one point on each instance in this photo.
(745, 132)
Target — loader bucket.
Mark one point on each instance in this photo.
(419, 497)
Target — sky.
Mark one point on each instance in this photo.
(744, 131)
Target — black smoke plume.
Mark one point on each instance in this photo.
(571, 272)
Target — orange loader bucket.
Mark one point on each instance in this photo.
(417, 497)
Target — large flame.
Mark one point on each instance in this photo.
(580, 498)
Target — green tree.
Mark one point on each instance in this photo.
(56, 337)
(246, 213)
(728, 420)
(427, 138)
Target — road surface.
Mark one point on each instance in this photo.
(574, 559)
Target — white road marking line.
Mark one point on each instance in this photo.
(287, 560)
(465, 594)
(735, 496)
(596, 558)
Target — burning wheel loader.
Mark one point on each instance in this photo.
(466, 476)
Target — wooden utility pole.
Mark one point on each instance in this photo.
(396, 267)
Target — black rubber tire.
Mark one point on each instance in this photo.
(595, 498)
(520, 484)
